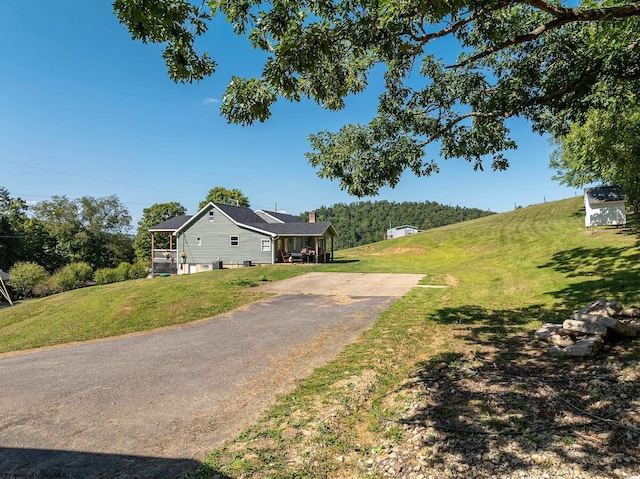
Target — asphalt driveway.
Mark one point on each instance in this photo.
(152, 404)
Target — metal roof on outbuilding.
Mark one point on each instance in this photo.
(605, 194)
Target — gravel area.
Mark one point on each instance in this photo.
(517, 415)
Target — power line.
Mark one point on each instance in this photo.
(50, 170)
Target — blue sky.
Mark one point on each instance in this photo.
(86, 111)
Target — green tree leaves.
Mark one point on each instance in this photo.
(605, 148)
(456, 71)
(175, 23)
(225, 196)
(152, 216)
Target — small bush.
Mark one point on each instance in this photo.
(25, 276)
(44, 288)
(72, 276)
(105, 276)
(242, 282)
(139, 270)
(122, 272)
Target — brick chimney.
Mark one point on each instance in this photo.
(312, 217)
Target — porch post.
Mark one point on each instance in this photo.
(153, 238)
(315, 247)
(332, 249)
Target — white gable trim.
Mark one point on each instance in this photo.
(206, 208)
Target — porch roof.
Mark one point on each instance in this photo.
(170, 225)
(299, 229)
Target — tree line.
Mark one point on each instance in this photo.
(60, 231)
(97, 231)
(366, 222)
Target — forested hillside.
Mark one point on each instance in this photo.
(366, 222)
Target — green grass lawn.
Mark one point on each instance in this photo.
(131, 306)
(505, 275)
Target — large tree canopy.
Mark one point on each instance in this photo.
(549, 61)
(94, 230)
(13, 217)
(605, 149)
(220, 194)
(152, 216)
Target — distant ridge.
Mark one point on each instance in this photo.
(365, 222)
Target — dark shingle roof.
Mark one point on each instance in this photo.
(285, 218)
(605, 194)
(292, 226)
(296, 229)
(171, 224)
(240, 214)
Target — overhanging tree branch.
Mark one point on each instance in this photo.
(563, 17)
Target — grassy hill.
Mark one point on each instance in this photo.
(365, 222)
(503, 275)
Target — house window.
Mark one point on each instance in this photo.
(234, 240)
(265, 245)
(198, 241)
(211, 216)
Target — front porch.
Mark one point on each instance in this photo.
(164, 261)
(304, 249)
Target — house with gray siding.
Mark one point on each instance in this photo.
(224, 235)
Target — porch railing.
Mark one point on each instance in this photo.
(164, 261)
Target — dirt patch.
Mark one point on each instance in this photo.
(451, 280)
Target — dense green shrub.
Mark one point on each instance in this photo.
(25, 276)
(105, 276)
(123, 272)
(72, 276)
(139, 270)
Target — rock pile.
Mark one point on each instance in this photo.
(586, 331)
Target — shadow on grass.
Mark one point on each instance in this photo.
(344, 261)
(501, 406)
(19, 463)
(609, 272)
(480, 321)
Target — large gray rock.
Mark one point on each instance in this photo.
(602, 307)
(586, 327)
(585, 347)
(545, 332)
(632, 323)
(562, 340)
(612, 324)
(605, 321)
